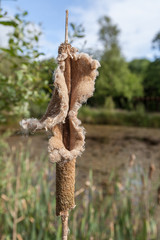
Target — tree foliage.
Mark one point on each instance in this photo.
(76, 31)
(20, 70)
(115, 79)
(139, 66)
(108, 33)
(26, 81)
(152, 79)
(156, 41)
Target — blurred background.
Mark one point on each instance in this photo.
(117, 178)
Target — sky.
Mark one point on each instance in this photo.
(138, 20)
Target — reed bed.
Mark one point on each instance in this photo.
(27, 205)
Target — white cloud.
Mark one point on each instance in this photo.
(48, 47)
(139, 22)
(137, 19)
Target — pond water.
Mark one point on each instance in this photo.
(107, 148)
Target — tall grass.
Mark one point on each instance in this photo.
(27, 204)
(119, 117)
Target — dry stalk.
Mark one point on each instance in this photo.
(65, 171)
(151, 171)
(66, 28)
(14, 237)
(68, 137)
(132, 160)
(64, 218)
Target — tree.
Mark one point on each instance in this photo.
(76, 31)
(139, 66)
(21, 84)
(108, 33)
(115, 80)
(152, 79)
(156, 42)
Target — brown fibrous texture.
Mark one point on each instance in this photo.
(74, 84)
(65, 182)
(64, 106)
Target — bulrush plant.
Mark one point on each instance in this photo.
(74, 84)
(27, 208)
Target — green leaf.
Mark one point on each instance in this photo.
(25, 13)
(36, 38)
(9, 23)
(73, 26)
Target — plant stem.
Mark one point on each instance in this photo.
(64, 218)
(16, 203)
(66, 28)
(65, 171)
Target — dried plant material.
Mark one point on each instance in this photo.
(5, 198)
(74, 84)
(65, 184)
(132, 160)
(15, 216)
(65, 229)
(158, 195)
(151, 171)
(83, 74)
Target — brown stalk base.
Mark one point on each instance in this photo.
(64, 218)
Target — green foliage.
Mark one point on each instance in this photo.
(139, 66)
(140, 108)
(26, 81)
(129, 212)
(108, 33)
(76, 31)
(152, 79)
(115, 79)
(35, 199)
(44, 71)
(20, 71)
(138, 118)
(3, 143)
(8, 23)
(109, 103)
(156, 41)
